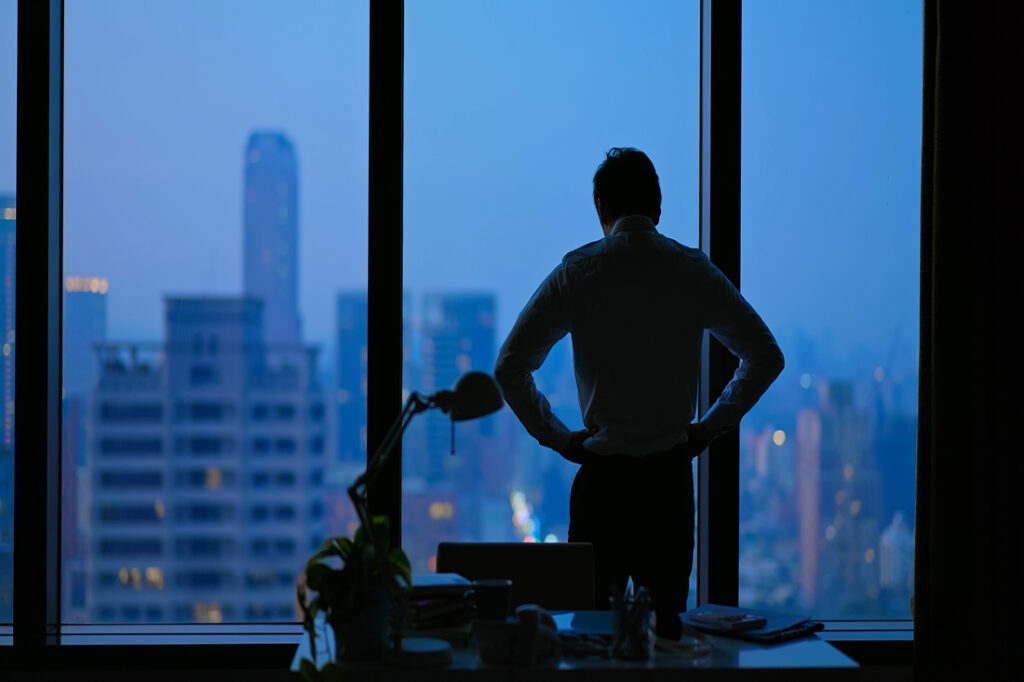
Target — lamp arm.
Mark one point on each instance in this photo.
(413, 406)
(357, 492)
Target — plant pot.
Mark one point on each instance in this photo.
(365, 636)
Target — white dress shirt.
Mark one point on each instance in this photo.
(637, 304)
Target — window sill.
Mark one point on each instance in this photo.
(868, 631)
(873, 643)
(231, 633)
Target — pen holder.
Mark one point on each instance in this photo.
(633, 627)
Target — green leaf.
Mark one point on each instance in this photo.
(382, 531)
(315, 575)
(359, 538)
(308, 670)
(343, 547)
(332, 672)
(400, 565)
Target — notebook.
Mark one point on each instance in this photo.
(777, 627)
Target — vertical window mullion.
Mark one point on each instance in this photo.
(37, 354)
(384, 280)
(718, 468)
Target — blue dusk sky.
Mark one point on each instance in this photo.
(509, 108)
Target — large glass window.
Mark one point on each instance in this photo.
(8, 242)
(830, 257)
(214, 217)
(509, 108)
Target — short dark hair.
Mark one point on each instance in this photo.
(627, 184)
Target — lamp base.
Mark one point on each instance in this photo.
(419, 652)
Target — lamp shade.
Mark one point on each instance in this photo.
(475, 395)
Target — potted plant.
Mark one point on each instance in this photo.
(356, 598)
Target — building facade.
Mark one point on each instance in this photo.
(206, 470)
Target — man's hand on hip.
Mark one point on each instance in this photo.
(697, 438)
(574, 450)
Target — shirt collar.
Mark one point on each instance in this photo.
(633, 222)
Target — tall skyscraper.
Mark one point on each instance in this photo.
(271, 234)
(8, 252)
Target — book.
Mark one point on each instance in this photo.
(777, 627)
(433, 585)
(426, 608)
(729, 620)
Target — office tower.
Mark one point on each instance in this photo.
(808, 489)
(350, 382)
(472, 485)
(458, 336)
(839, 490)
(271, 234)
(85, 326)
(8, 253)
(206, 469)
(896, 567)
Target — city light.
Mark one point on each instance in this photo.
(805, 380)
(155, 577)
(10, 213)
(550, 537)
(93, 285)
(214, 478)
(442, 510)
(855, 508)
(779, 437)
(522, 517)
(869, 555)
(207, 613)
(879, 374)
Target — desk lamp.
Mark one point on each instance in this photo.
(474, 395)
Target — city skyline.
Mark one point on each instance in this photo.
(499, 152)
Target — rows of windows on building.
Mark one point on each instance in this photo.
(200, 470)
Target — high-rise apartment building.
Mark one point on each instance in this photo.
(8, 253)
(206, 468)
(271, 234)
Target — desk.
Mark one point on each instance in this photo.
(809, 658)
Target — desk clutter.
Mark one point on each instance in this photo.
(438, 600)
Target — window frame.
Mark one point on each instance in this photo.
(37, 561)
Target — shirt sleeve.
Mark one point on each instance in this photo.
(734, 322)
(541, 324)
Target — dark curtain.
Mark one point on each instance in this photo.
(969, 570)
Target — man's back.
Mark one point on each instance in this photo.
(636, 304)
(637, 313)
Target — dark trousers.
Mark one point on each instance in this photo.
(638, 514)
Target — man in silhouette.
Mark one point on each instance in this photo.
(636, 304)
